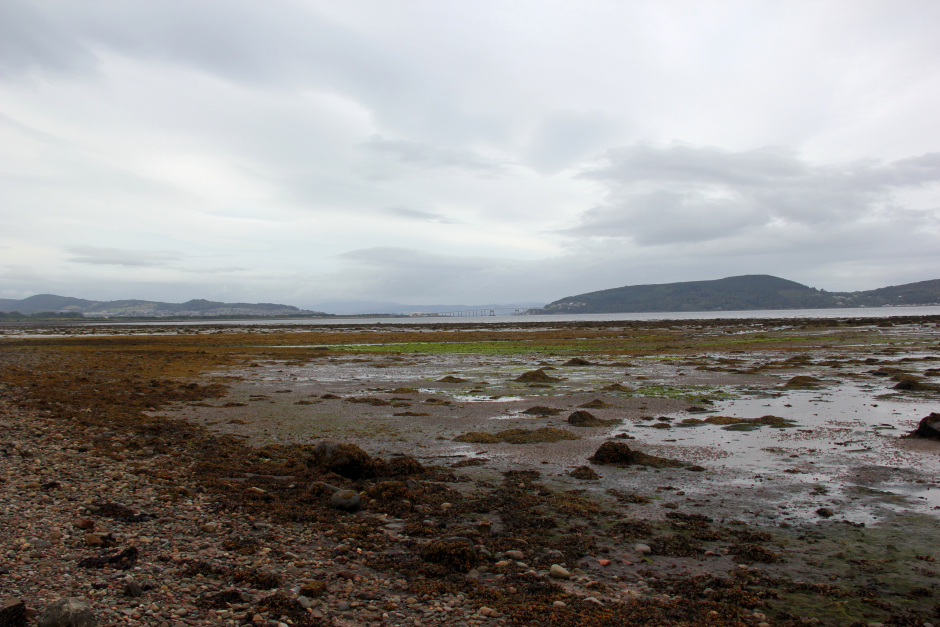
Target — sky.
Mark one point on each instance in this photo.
(463, 152)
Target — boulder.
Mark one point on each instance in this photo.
(346, 501)
(619, 454)
(929, 427)
(582, 418)
(535, 376)
(13, 613)
(70, 612)
(346, 460)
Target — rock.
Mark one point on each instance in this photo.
(515, 555)
(312, 589)
(643, 549)
(346, 574)
(346, 460)
(578, 361)
(209, 527)
(486, 611)
(825, 512)
(304, 602)
(70, 612)
(584, 419)
(342, 606)
(93, 540)
(619, 454)
(585, 473)
(13, 613)
(535, 376)
(929, 427)
(557, 572)
(559, 604)
(346, 501)
(86, 524)
(132, 589)
(913, 383)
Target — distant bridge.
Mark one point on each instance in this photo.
(467, 313)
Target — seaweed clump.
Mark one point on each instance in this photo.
(803, 382)
(535, 376)
(587, 419)
(518, 436)
(619, 454)
(453, 553)
(584, 473)
(746, 424)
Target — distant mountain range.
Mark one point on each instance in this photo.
(50, 303)
(41, 303)
(749, 292)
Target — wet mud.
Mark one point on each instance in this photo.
(793, 498)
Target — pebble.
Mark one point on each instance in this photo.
(559, 604)
(557, 572)
(643, 549)
(515, 555)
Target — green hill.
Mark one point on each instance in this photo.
(750, 292)
(42, 303)
(920, 293)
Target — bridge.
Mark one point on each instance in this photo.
(469, 313)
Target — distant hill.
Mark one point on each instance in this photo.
(749, 292)
(920, 293)
(144, 308)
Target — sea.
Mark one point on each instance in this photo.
(771, 314)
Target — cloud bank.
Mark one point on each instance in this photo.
(305, 151)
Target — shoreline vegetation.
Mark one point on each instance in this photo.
(209, 478)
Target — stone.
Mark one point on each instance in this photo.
(132, 589)
(312, 589)
(346, 574)
(69, 612)
(304, 602)
(93, 540)
(85, 524)
(619, 454)
(643, 549)
(13, 613)
(557, 572)
(929, 427)
(559, 604)
(346, 501)
(514, 555)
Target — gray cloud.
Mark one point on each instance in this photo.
(322, 148)
(422, 154)
(688, 194)
(423, 216)
(120, 257)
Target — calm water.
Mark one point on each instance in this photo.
(873, 312)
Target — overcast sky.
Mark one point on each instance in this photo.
(463, 151)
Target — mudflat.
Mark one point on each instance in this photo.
(630, 473)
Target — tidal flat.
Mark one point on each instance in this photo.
(790, 496)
